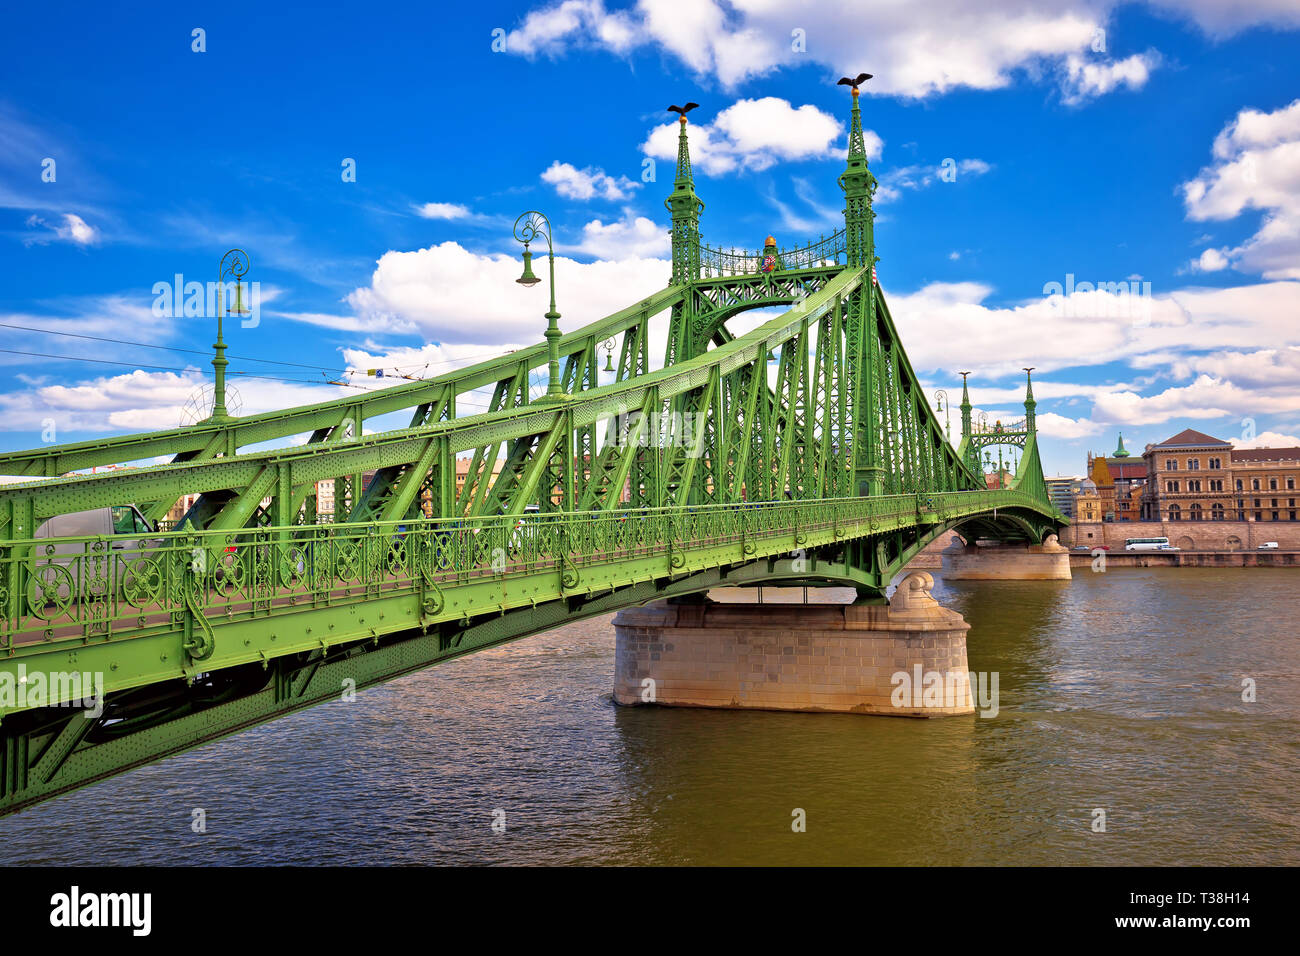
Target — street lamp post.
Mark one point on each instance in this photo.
(235, 264)
(942, 405)
(527, 228)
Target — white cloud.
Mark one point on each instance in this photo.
(587, 183)
(922, 175)
(141, 400)
(1087, 78)
(755, 134)
(452, 295)
(1257, 166)
(1268, 440)
(441, 210)
(73, 229)
(916, 49)
(1052, 425)
(631, 236)
(1220, 19)
(1211, 260)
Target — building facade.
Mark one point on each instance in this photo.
(1197, 477)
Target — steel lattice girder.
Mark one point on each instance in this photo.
(256, 473)
(206, 440)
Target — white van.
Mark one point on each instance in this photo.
(1267, 546)
(123, 522)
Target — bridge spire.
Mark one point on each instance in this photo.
(966, 407)
(685, 208)
(859, 185)
(1030, 404)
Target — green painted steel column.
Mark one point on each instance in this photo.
(859, 184)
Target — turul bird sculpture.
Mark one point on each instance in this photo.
(862, 78)
(683, 110)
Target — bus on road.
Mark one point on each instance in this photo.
(1148, 544)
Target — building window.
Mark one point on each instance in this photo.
(1193, 464)
(1272, 484)
(1171, 486)
(1290, 484)
(1194, 486)
(1194, 513)
(1171, 464)
(1292, 513)
(1274, 515)
(1175, 513)
(1215, 464)
(1259, 516)
(1216, 512)
(1254, 484)
(1239, 487)
(1256, 502)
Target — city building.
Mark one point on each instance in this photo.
(1116, 476)
(1058, 489)
(1193, 476)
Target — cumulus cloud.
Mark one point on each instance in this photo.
(452, 295)
(1087, 78)
(632, 235)
(1257, 166)
(587, 183)
(1211, 260)
(916, 49)
(1268, 440)
(141, 400)
(755, 134)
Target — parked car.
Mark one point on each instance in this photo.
(1267, 546)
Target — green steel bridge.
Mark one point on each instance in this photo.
(803, 451)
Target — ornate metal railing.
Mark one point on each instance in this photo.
(826, 251)
(999, 428)
(85, 589)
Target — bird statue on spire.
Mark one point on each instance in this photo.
(854, 83)
(682, 110)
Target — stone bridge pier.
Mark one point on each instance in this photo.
(1049, 561)
(906, 658)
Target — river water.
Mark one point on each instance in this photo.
(1119, 691)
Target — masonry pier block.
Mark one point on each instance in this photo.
(1048, 561)
(841, 658)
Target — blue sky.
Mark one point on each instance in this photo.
(1112, 142)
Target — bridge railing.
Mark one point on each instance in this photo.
(827, 250)
(1000, 428)
(80, 589)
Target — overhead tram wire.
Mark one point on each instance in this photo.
(173, 368)
(170, 368)
(242, 358)
(166, 348)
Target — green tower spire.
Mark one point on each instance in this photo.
(1030, 404)
(859, 185)
(1121, 451)
(685, 208)
(966, 407)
